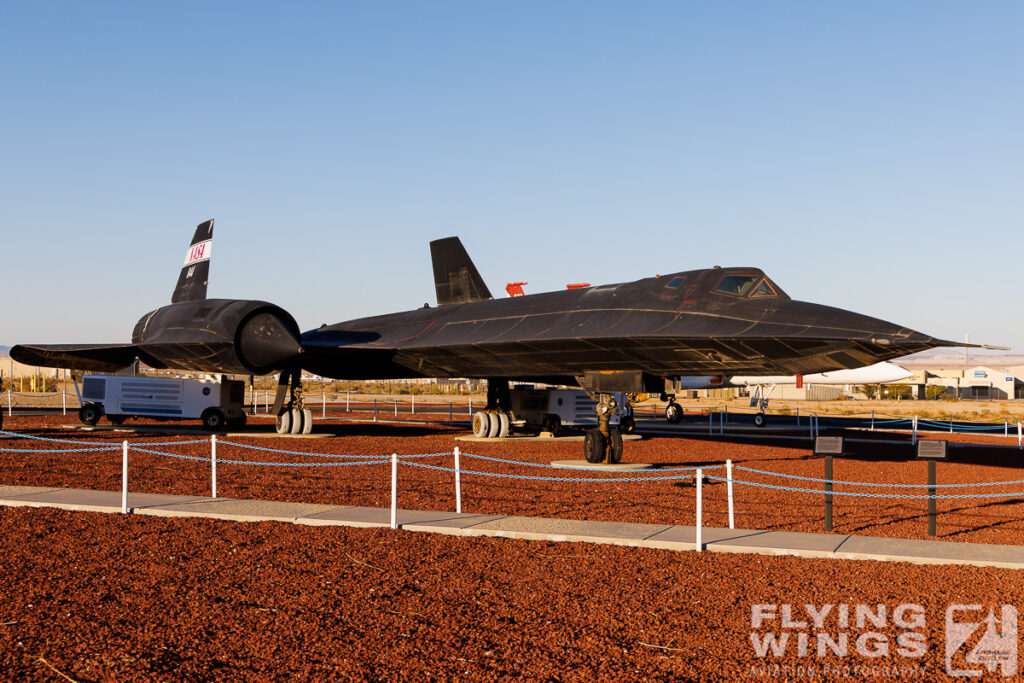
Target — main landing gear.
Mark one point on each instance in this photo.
(603, 444)
(759, 399)
(495, 421)
(292, 416)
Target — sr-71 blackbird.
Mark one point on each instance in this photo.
(624, 337)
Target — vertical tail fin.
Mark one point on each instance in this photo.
(456, 279)
(195, 272)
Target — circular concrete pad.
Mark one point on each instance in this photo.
(616, 467)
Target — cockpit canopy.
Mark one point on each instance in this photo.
(743, 283)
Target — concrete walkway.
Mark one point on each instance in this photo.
(665, 537)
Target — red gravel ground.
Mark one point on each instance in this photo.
(124, 598)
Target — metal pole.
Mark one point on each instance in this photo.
(413, 404)
(10, 402)
(913, 440)
(872, 419)
(721, 423)
(451, 412)
(700, 521)
(213, 464)
(396, 406)
(711, 422)
(348, 399)
(951, 423)
(1019, 443)
(394, 490)
(124, 477)
(458, 483)
(728, 482)
(828, 493)
(471, 407)
(931, 497)
(1006, 427)
(797, 417)
(374, 410)
(323, 413)
(64, 401)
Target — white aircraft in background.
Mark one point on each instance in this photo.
(879, 373)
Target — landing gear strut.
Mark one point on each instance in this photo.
(292, 416)
(495, 421)
(603, 444)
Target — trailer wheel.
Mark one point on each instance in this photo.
(90, 413)
(551, 424)
(213, 419)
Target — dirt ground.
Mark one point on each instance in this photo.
(96, 597)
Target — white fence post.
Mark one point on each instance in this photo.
(913, 438)
(348, 401)
(451, 412)
(1019, 443)
(213, 464)
(872, 419)
(266, 401)
(458, 482)
(721, 422)
(700, 521)
(396, 406)
(10, 403)
(413, 398)
(323, 413)
(728, 481)
(124, 477)
(394, 490)
(711, 422)
(1006, 427)
(374, 410)
(64, 401)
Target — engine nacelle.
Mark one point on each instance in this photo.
(219, 335)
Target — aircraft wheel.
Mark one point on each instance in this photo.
(593, 446)
(551, 424)
(90, 413)
(307, 421)
(481, 424)
(283, 423)
(615, 446)
(213, 419)
(494, 424)
(627, 425)
(674, 413)
(504, 425)
(759, 420)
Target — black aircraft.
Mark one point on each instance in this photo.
(611, 338)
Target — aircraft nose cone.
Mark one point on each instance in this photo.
(266, 342)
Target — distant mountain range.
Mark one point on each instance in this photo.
(4, 350)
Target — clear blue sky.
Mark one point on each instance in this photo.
(867, 155)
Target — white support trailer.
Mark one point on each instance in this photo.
(217, 401)
(551, 409)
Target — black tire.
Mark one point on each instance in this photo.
(674, 413)
(90, 413)
(551, 423)
(627, 425)
(615, 446)
(759, 420)
(594, 446)
(213, 419)
(283, 423)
